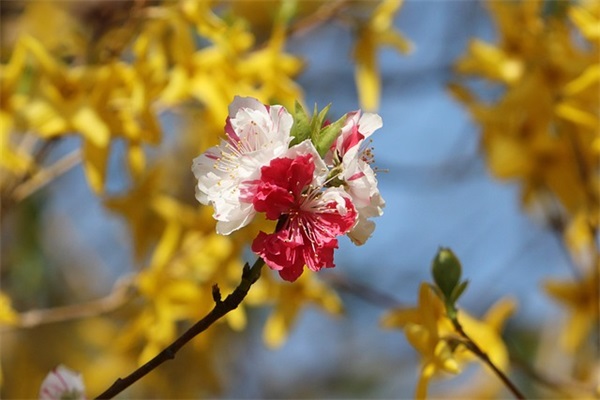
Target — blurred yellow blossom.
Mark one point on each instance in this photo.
(431, 333)
(54, 26)
(177, 285)
(378, 31)
(544, 132)
(11, 76)
(99, 102)
(584, 14)
(544, 129)
(289, 301)
(270, 70)
(134, 207)
(61, 102)
(582, 300)
(8, 316)
(579, 237)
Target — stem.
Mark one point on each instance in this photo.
(221, 307)
(471, 345)
(27, 145)
(46, 175)
(362, 291)
(31, 319)
(322, 15)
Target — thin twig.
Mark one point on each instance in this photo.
(322, 15)
(475, 349)
(46, 175)
(26, 146)
(362, 291)
(249, 276)
(30, 319)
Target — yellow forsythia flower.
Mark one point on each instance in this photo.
(581, 299)
(378, 31)
(543, 130)
(432, 334)
(8, 316)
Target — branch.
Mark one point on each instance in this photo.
(249, 276)
(30, 319)
(26, 146)
(46, 175)
(322, 15)
(475, 349)
(362, 291)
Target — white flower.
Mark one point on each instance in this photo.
(356, 172)
(62, 383)
(256, 134)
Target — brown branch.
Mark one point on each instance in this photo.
(323, 14)
(362, 291)
(46, 175)
(249, 276)
(26, 146)
(111, 302)
(475, 349)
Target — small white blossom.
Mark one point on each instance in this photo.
(62, 384)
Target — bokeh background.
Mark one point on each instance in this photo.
(63, 245)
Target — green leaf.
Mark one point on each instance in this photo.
(458, 291)
(317, 122)
(328, 134)
(301, 127)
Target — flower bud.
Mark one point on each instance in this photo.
(446, 270)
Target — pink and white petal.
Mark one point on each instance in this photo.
(307, 147)
(362, 230)
(338, 196)
(348, 129)
(62, 383)
(268, 125)
(239, 103)
(369, 123)
(361, 181)
(234, 217)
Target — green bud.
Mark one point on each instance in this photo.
(446, 272)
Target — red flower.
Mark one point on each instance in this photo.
(289, 189)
